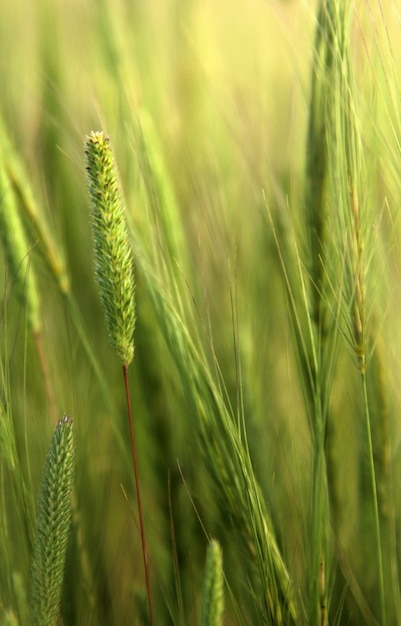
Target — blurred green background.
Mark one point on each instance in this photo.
(221, 92)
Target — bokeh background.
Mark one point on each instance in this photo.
(221, 93)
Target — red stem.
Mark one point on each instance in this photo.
(138, 495)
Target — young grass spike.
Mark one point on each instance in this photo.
(52, 526)
(213, 599)
(113, 255)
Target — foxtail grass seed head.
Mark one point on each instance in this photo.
(53, 524)
(112, 251)
(213, 595)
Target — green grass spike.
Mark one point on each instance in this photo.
(113, 254)
(52, 526)
(213, 593)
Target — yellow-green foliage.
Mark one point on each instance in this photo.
(19, 181)
(8, 618)
(258, 147)
(19, 253)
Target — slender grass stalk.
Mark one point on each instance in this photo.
(321, 341)
(18, 253)
(310, 312)
(375, 499)
(115, 278)
(164, 209)
(316, 162)
(226, 457)
(53, 526)
(138, 493)
(312, 379)
(348, 186)
(23, 189)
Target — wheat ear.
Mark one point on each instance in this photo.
(213, 595)
(29, 205)
(18, 252)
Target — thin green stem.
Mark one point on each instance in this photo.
(138, 494)
(319, 521)
(374, 492)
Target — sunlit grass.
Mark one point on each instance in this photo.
(258, 148)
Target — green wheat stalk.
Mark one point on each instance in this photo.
(316, 159)
(52, 526)
(349, 183)
(351, 216)
(19, 180)
(310, 309)
(213, 587)
(18, 253)
(321, 339)
(226, 456)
